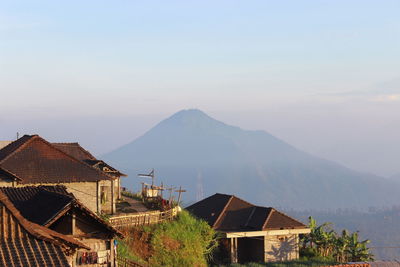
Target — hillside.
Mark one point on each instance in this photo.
(205, 155)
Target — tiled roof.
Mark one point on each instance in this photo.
(6, 175)
(37, 231)
(33, 204)
(230, 213)
(23, 243)
(77, 151)
(34, 160)
(209, 209)
(30, 251)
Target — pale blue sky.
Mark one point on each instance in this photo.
(307, 71)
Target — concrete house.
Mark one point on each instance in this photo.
(250, 233)
(57, 210)
(31, 160)
(78, 152)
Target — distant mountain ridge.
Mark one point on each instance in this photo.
(205, 155)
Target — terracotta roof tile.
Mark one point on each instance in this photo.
(38, 231)
(77, 151)
(33, 201)
(34, 160)
(229, 213)
(210, 208)
(33, 204)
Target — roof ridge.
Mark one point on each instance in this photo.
(268, 217)
(94, 215)
(284, 214)
(31, 137)
(81, 147)
(11, 173)
(250, 216)
(236, 198)
(244, 201)
(75, 159)
(223, 210)
(37, 230)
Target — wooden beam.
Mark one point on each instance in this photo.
(73, 223)
(268, 232)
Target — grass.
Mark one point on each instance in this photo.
(185, 241)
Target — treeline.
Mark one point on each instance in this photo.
(380, 225)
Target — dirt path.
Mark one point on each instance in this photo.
(130, 205)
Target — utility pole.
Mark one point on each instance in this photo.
(180, 194)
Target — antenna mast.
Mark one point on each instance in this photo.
(151, 175)
(200, 192)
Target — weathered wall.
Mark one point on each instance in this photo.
(85, 192)
(103, 247)
(107, 205)
(88, 193)
(281, 247)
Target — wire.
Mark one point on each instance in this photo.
(82, 192)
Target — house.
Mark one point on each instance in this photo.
(23, 243)
(77, 151)
(31, 161)
(250, 233)
(54, 208)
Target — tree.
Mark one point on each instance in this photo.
(325, 242)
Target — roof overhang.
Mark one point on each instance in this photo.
(267, 232)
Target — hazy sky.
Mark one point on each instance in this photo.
(322, 75)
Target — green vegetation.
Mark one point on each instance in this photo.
(380, 225)
(185, 241)
(325, 242)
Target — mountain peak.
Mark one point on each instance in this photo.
(190, 113)
(192, 118)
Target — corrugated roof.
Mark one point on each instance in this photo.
(34, 160)
(229, 213)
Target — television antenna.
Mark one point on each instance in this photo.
(150, 175)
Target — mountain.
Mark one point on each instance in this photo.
(204, 156)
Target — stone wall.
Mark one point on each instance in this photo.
(85, 192)
(281, 247)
